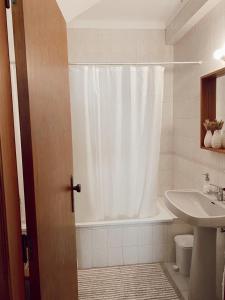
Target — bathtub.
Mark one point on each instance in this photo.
(164, 215)
(131, 241)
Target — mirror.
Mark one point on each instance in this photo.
(220, 99)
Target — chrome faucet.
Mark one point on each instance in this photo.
(218, 192)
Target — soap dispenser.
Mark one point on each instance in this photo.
(206, 184)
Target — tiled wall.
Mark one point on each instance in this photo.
(189, 160)
(99, 45)
(116, 245)
(199, 44)
(127, 244)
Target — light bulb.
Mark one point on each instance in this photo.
(219, 53)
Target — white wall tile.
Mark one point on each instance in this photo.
(100, 257)
(140, 243)
(145, 254)
(130, 235)
(115, 236)
(130, 255)
(167, 118)
(115, 256)
(159, 253)
(100, 237)
(166, 144)
(166, 162)
(113, 45)
(84, 258)
(84, 248)
(159, 234)
(145, 235)
(208, 34)
(84, 237)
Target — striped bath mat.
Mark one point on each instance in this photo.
(131, 282)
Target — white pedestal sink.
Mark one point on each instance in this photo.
(205, 215)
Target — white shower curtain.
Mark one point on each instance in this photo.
(116, 113)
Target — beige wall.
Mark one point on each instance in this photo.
(115, 45)
(189, 160)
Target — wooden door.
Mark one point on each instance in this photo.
(40, 39)
(11, 262)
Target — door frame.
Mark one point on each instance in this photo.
(25, 130)
(4, 250)
(11, 258)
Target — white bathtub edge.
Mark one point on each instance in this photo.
(164, 216)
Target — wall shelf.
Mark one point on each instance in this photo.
(213, 150)
(208, 103)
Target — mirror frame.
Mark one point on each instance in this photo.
(208, 103)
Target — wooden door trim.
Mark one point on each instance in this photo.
(11, 223)
(5, 283)
(26, 141)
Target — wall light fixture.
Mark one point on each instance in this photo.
(219, 54)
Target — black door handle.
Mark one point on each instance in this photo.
(77, 188)
(73, 188)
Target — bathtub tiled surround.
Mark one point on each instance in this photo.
(113, 245)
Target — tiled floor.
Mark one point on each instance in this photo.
(180, 281)
(131, 282)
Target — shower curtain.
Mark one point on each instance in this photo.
(116, 117)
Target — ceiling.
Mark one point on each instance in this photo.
(128, 13)
(72, 8)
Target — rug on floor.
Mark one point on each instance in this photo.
(131, 282)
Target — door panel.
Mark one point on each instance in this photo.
(11, 263)
(43, 90)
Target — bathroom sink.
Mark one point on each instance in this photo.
(196, 208)
(205, 214)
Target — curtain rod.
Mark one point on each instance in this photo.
(134, 64)
(139, 64)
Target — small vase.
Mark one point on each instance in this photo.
(208, 139)
(216, 139)
(223, 139)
